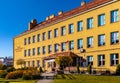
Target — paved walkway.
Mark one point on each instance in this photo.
(44, 81)
(47, 78)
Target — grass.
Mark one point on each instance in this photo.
(16, 81)
(86, 79)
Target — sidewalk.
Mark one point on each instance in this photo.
(44, 81)
(47, 78)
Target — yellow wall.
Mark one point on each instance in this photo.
(95, 31)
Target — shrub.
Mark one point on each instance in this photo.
(26, 77)
(3, 73)
(78, 70)
(118, 70)
(3, 67)
(14, 74)
(31, 73)
(37, 76)
(10, 69)
(107, 72)
(89, 69)
(94, 71)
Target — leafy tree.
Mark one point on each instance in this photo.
(118, 70)
(64, 61)
(20, 62)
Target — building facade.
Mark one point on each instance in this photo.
(89, 33)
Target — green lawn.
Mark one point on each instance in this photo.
(86, 79)
(16, 81)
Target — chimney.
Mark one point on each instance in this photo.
(52, 16)
(83, 2)
(60, 12)
(47, 18)
(32, 24)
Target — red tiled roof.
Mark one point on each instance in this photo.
(85, 7)
(53, 56)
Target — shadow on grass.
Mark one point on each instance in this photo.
(65, 76)
(70, 76)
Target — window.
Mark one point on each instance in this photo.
(49, 34)
(28, 63)
(38, 50)
(25, 41)
(33, 51)
(29, 52)
(44, 49)
(63, 46)
(29, 40)
(24, 64)
(49, 64)
(71, 45)
(43, 63)
(80, 43)
(80, 25)
(38, 63)
(56, 33)
(90, 60)
(101, 40)
(71, 28)
(101, 19)
(101, 60)
(25, 53)
(63, 31)
(90, 42)
(114, 16)
(33, 63)
(44, 36)
(56, 47)
(114, 59)
(49, 48)
(114, 37)
(38, 38)
(33, 39)
(89, 23)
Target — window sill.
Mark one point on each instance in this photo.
(115, 44)
(101, 45)
(114, 22)
(101, 25)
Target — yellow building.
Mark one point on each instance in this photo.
(89, 33)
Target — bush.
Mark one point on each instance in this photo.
(89, 69)
(94, 71)
(3, 67)
(14, 74)
(118, 70)
(37, 76)
(31, 73)
(107, 72)
(3, 73)
(10, 69)
(26, 77)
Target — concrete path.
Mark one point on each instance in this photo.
(47, 78)
(44, 81)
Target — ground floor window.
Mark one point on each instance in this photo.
(28, 63)
(114, 59)
(101, 60)
(90, 60)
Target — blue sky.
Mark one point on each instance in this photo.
(15, 15)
